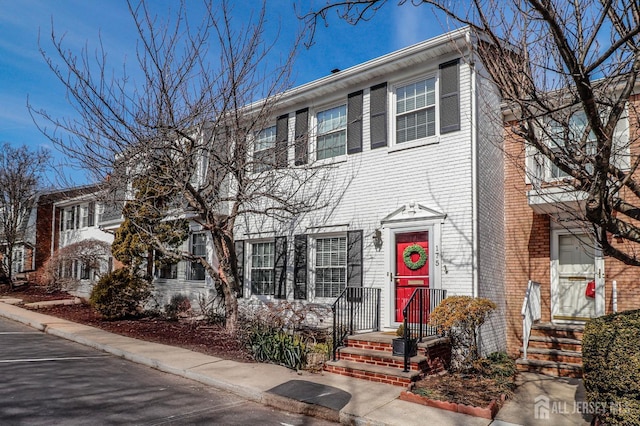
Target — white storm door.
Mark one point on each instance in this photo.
(574, 268)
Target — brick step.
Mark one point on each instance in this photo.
(371, 341)
(550, 342)
(571, 331)
(558, 355)
(372, 373)
(551, 368)
(382, 358)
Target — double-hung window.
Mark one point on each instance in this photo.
(570, 140)
(331, 138)
(264, 151)
(69, 216)
(416, 110)
(262, 268)
(167, 271)
(198, 248)
(331, 266)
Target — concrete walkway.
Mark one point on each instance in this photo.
(330, 396)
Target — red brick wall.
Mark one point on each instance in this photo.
(527, 245)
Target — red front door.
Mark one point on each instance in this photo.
(412, 267)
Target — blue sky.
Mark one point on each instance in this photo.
(24, 74)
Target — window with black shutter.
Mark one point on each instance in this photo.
(239, 248)
(282, 136)
(280, 267)
(301, 136)
(449, 97)
(354, 122)
(378, 115)
(300, 267)
(354, 264)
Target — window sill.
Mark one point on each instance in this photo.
(332, 160)
(432, 140)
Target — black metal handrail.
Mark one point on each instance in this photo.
(356, 309)
(416, 317)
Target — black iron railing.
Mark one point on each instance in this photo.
(416, 318)
(356, 309)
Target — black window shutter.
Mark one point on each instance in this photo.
(282, 136)
(378, 115)
(300, 268)
(280, 268)
(302, 131)
(354, 122)
(91, 213)
(449, 97)
(354, 266)
(239, 247)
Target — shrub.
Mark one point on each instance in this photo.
(178, 305)
(119, 294)
(460, 317)
(278, 346)
(211, 308)
(611, 365)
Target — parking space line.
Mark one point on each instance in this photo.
(69, 358)
(22, 332)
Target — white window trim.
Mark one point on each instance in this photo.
(311, 265)
(429, 140)
(313, 139)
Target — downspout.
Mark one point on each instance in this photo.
(474, 169)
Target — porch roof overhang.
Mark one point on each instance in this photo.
(413, 211)
(556, 200)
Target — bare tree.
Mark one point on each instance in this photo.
(198, 134)
(568, 71)
(60, 269)
(21, 173)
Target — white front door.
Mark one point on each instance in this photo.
(573, 277)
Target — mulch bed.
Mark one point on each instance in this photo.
(472, 390)
(189, 334)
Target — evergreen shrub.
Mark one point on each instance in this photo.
(119, 294)
(611, 367)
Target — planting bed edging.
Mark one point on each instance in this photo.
(488, 412)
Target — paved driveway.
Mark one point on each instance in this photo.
(45, 380)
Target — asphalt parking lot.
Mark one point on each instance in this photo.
(46, 380)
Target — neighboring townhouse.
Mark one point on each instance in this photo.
(545, 243)
(77, 217)
(56, 219)
(23, 259)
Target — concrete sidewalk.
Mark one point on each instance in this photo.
(330, 396)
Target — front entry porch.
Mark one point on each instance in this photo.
(361, 350)
(370, 356)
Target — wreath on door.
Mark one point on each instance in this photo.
(422, 259)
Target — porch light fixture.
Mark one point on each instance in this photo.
(377, 239)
